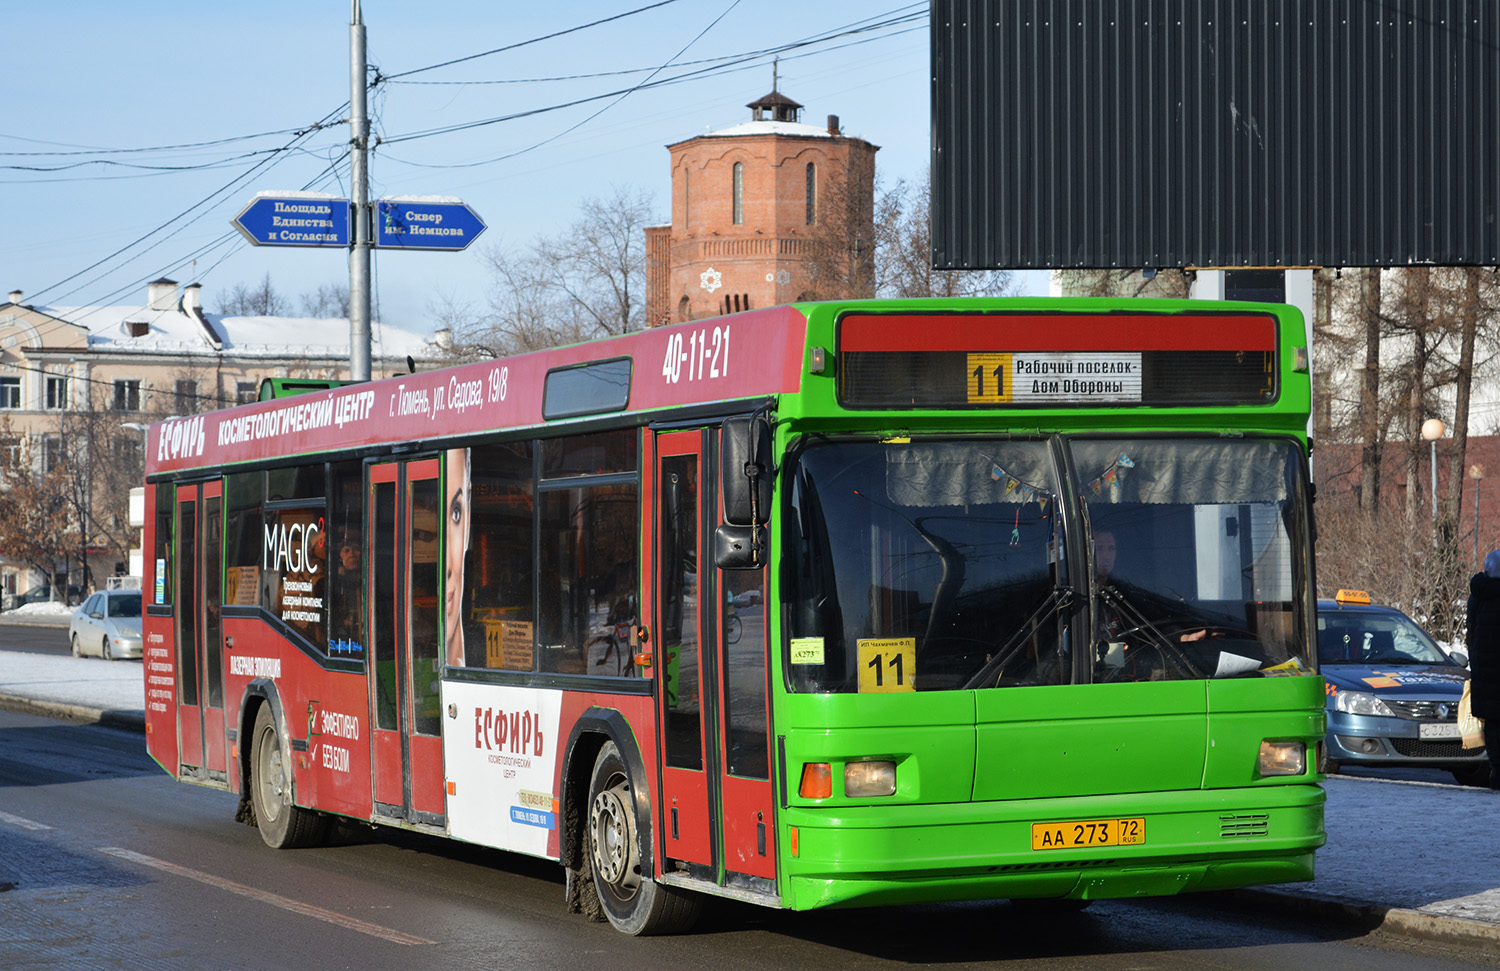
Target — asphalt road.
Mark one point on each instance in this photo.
(105, 862)
(40, 640)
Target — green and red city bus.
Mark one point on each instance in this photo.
(832, 604)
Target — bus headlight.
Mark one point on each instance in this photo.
(1359, 703)
(870, 779)
(1282, 758)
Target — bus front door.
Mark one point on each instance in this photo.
(710, 654)
(201, 738)
(405, 660)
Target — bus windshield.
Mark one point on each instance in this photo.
(945, 564)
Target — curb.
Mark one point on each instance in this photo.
(1368, 916)
(131, 721)
(60, 623)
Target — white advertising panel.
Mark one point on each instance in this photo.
(500, 746)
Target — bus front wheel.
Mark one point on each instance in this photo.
(634, 902)
(282, 825)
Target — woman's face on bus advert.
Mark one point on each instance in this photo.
(456, 524)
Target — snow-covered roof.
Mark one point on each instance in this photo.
(178, 332)
(772, 128)
(273, 336)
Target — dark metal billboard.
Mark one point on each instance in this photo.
(1169, 133)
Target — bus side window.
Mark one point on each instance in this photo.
(498, 617)
(166, 498)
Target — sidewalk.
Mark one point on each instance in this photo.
(1413, 858)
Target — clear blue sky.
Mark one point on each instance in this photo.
(93, 78)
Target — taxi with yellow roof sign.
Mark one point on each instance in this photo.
(1392, 691)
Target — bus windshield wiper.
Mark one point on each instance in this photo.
(1057, 600)
(1138, 622)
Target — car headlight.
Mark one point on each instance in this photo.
(1360, 703)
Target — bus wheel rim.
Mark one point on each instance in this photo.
(272, 778)
(613, 848)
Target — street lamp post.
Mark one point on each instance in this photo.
(1432, 430)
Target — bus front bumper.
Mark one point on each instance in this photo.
(1201, 840)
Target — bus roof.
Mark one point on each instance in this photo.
(765, 354)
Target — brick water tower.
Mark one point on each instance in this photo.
(765, 212)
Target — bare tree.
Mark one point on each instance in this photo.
(584, 283)
(331, 300)
(842, 243)
(36, 525)
(258, 300)
(903, 250)
(1170, 284)
(598, 266)
(1371, 427)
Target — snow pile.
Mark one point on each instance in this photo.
(58, 609)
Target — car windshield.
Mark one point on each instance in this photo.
(949, 564)
(127, 605)
(1370, 637)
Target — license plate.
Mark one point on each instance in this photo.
(1088, 832)
(1439, 730)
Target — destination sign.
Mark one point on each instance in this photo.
(1076, 359)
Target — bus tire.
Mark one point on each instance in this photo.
(634, 902)
(282, 825)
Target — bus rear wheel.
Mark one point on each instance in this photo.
(282, 825)
(634, 902)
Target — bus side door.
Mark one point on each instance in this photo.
(709, 642)
(407, 750)
(201, 739)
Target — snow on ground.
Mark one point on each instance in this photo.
(58, 609)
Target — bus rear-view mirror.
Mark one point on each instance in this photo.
(745, 454)
(740, 547)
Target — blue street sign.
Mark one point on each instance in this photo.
(295, 220)
(421, 224)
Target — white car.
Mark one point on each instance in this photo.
(108, 624)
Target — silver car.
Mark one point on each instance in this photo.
(108, 624)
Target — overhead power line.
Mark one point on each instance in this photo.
(675, 79)
(84, 150)
(524, 43)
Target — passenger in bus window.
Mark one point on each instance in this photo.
(456, 548)
(346, 588)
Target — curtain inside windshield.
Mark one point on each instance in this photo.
(935, 565)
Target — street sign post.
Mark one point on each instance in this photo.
(425, 223)
(295, 219)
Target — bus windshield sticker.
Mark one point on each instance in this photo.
(507, 643)
(242, 586)
(887, 664)
(807, 650)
